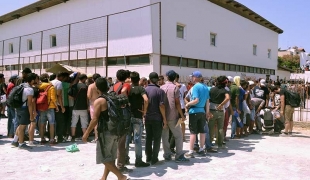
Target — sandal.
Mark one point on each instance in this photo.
(94, 141)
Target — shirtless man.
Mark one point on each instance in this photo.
(92, 95)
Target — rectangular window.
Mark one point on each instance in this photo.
(11, 50)
(134, 60)
(180, 31)
(208, 65)
(183, 62)
(201, 64)
(273, 72)
(95, 62)
(254, 50)
(269, 53)
(53, 40)
(232, 67)
(237, 68)
(29, 44)
(164, 60)
(192, 63)
(242, 69)
(262, 71)
(221, 66)
(267, 71)
(174, 61)
(214, 65)
(213, 39)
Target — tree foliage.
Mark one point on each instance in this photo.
(289, 61)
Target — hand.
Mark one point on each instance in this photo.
(85, 137)
(57, 109)
(183, 118)
(220, 107)
(238, 111)
(35, 113)
(63, 110)
(209, 115)
(165, 126)
(187, 106)
(282, 113)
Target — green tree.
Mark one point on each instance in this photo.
(289, 61)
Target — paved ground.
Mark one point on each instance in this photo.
(255, 157)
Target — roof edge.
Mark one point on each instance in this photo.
(247, 13)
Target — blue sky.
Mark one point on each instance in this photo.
(291, 16)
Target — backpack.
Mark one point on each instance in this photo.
(292, 98)
(119, 114)
(117, 88)
(15, 98)
(42, 100)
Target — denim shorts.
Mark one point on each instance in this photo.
(48, 115)
(23, 116)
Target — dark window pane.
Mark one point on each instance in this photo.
(184, 62)
(221, 66)
(208, 65)
(82, 63)
(251, 69)
(144, 59)
(214, 65)
(247, 69)
(73, 63)
(192, 63)
(201, 64)
(164, 60)
(258, 70)
(232, 67)
(173, 61)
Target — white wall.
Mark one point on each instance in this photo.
(283, 74)
(235, 34)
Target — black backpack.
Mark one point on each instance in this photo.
(15, 98)
(292, 98)
(119, 114)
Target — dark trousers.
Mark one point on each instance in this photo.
(153, 138)
(67, 121)
(59, 116)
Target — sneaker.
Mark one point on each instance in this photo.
(43, 141)
(153, 162)
(201, 153)
(173, 151)
(53, 142)
(211, 150)
(189, 155)
(69, 138)
(127, 161)
(31, 143)
(124, 170)
(196, 148)
(14, 144)
(222, 147)
(24, 146)
(168, 158)
(142, 164)
(181, 159)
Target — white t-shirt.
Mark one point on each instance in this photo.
(58, 86)
(28, 91)
(182, 90)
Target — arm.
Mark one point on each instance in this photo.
(30, 106)
(59, 98)
(192, 103)
(282, 104)
(146, 104)
(163, 113)
(53, 98)
(227, 98)
(124, 91)
(260, 107)
(178, 106)
(89, 92)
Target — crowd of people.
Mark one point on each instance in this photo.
(159, 104)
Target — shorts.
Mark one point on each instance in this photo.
(48, 115)
(248, 119)
(197, 122)
(82, 115)
(289, 111)
(91, 111)
(253, 114)
(183, 111)
(23, 116)
(106, 149)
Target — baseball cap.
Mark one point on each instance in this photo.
(230, 79)
(153, 76)
(15, 76)
(27, 71)
(1, 75)
(262, 82)
(197, 74)
(250, 83)
(171, 74)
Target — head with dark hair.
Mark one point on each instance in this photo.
(44, 77)
(161, 80)
(244, 84)
(31, 77)
(135, 77)
(277, 84)
(83, 78)
(52, 77)
(102, 84)
(61, 76)
(274, 88)
(222, 81)
(122, 75)
(96, 76)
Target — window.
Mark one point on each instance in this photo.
(180, 31)
(269, 53)
(164, 60)
(254, 50)
(11, 50)
(174, 61)
(134, 60)
(242, 69)
(29, 44)
(237, 68)
(201, 64)
(251, 69)
(232, 67)
(214, 65)
(221, 66)
(53, 40)
(192, 63)
(183, 62)
(227, 66)
(213, 39)
(209, 65)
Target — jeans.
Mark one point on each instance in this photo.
(11, 120)
(178, 136)
(233, 126)
(208, 142)
(137, 127)
(153, 130)
(218, 119)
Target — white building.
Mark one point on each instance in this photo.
(218, 37)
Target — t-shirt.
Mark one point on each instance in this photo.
(80, 95)
(58, 86)
(156, 98)
(200, 91)
(256, 102)
(234, 90)
(65, 90)
(10, 87)
(136, 100)
(182, 90)
(125, 85)
(241, 98)
(28, 91)
(217, 95)
(172, 93)
(261, 92)
(228, 103)
(3, 86)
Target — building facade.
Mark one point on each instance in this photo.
(218, 37)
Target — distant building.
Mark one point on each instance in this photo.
(291, 51)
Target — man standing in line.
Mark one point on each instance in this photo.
(139, 103)
(198, 113)
(107, 144)
(155, 119)
(11, 111)
(92, 95)
(173, 111)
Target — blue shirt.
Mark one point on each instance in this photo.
(200, 91)
(241, 98)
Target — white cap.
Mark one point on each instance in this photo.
(262, 82)
(250, 83)
(231, 79)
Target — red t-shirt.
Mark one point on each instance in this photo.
(125, 85)
(9, 89)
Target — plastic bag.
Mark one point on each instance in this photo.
(72, 148)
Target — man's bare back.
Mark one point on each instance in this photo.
(92, 93)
